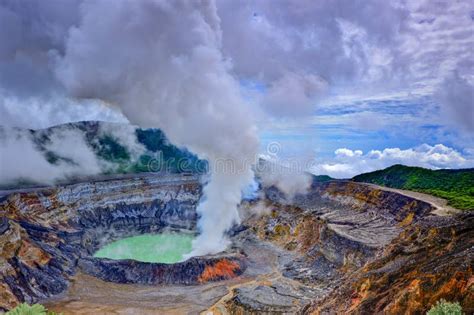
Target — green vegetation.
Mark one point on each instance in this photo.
(109, 149)
(445, 308)
(165, 156)
(35, 309)
(152, 139)
(160, 155)
(456, 186)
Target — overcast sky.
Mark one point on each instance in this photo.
(350, 86)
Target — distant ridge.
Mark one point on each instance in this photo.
(456, 186)
(121, 149)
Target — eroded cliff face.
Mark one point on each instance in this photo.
(430, 260)
(343, 247)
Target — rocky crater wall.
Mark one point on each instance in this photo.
(339, 247)
(50, 233)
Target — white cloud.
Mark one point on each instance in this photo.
(456, 96)
(43, 112)
(294, 94)
(296, 49)
(348, 163)
(343, 153)
(359, 49)
(20, 158)
(361, 46)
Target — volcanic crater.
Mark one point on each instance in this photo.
(329, 249)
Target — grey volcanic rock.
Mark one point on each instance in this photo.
(346, 219)
(4, 225)
(278, 298)
(187, 272)
(430, 260)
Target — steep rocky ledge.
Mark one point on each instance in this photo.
(430, 260)
(343, 247)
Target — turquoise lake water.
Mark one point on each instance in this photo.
(158, 248)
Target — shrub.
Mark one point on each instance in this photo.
(445, 308)
(35, 309)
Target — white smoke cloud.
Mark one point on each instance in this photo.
(289, 180)
(32, 33)
(40, 112)
(261, 208)
(355, 47)
(70, 144)
(61, 153)
(160, 62)
(21, 159)
(349, 163)
(291, 184)
(361, 47)
(256, 209)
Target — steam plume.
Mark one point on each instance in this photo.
(161, 63)
(289, 180)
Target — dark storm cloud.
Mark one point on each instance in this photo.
(357, 47)
(31, 33)
(350, 46)
(294, 35)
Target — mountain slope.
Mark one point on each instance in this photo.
(457, 186)
(88, 148)
(131, 147)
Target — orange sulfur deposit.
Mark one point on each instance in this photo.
(223, 269)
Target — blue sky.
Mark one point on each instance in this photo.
(367, 125)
